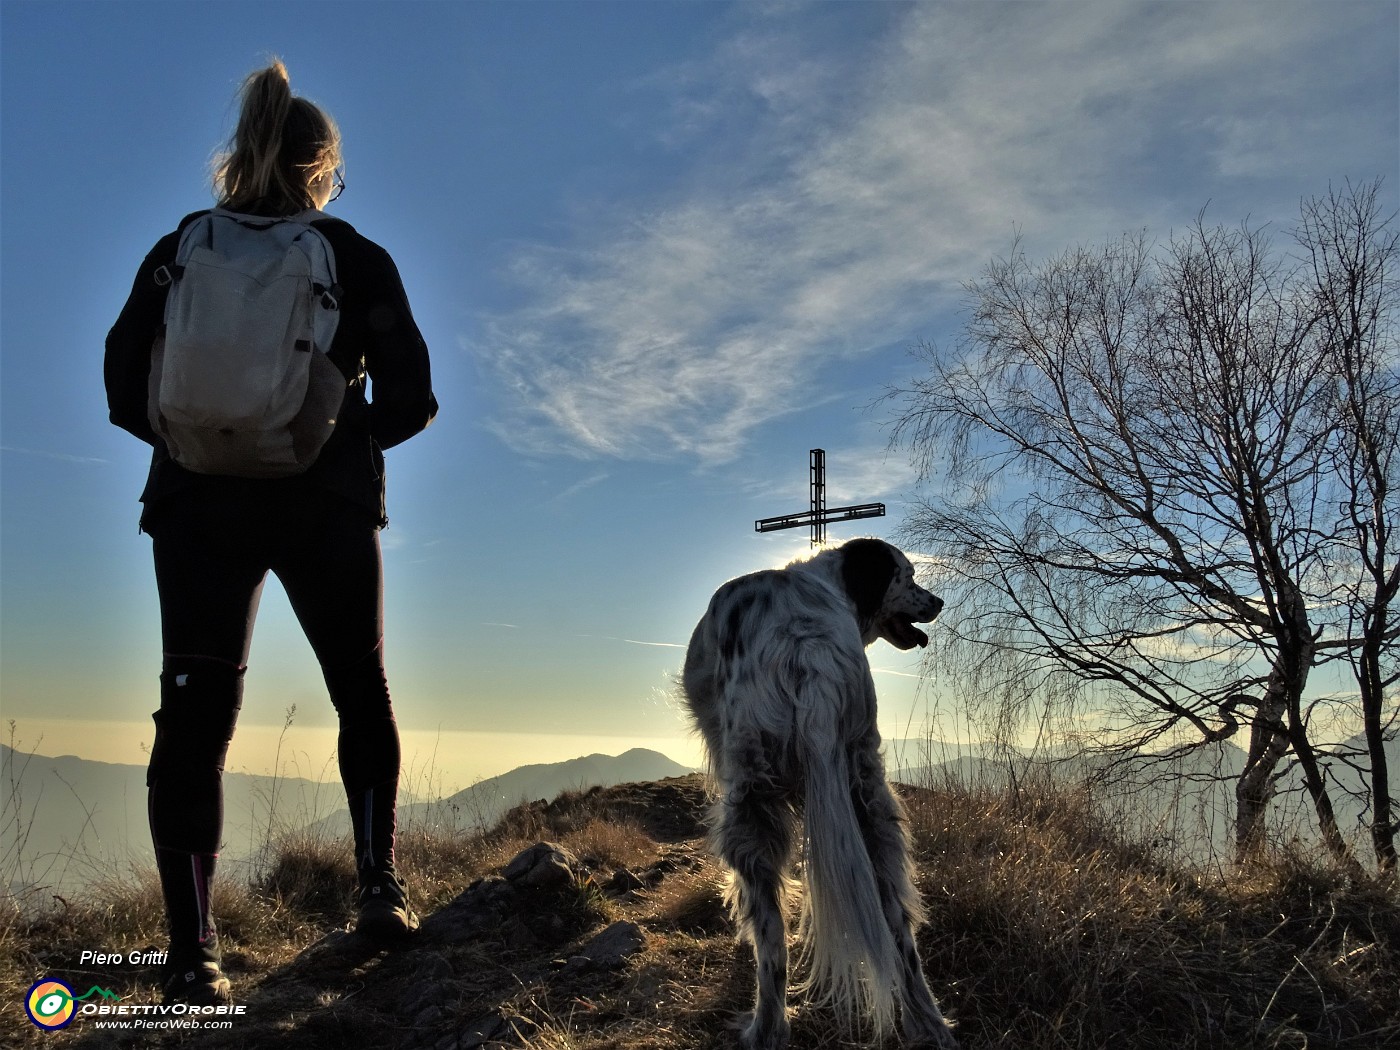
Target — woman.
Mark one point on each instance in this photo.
(215, 538)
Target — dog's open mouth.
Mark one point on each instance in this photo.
(902, 635)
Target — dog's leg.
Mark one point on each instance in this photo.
(883, 825)
(753, 835)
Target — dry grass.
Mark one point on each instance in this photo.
(1046, 932)
(1050, 932)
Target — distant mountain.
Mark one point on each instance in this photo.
(482, 804)
(911, 760)
(547, 780)
(64, 820)
(914, 753)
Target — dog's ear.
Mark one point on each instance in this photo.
(867, 569)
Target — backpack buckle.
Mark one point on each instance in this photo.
(330, 297)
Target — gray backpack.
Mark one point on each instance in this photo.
(240, 381)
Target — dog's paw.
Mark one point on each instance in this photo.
(929, 1033)
(933, 1041)
(760, 1033)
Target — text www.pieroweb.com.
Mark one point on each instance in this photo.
(161, 1017)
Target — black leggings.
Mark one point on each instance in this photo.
(213, 549)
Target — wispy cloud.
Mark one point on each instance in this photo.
(896, 674)
(62, 457)
(576, 488)
(632, 641)
(871, 182)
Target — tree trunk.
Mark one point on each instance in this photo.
(1316, 784)
(1268, 743)
(1369, 678)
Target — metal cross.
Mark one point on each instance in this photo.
(819, 514)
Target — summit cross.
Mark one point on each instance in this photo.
(820, 514)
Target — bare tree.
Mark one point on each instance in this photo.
(1139, 449)
(1352, 253)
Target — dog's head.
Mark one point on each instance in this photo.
(880, 580)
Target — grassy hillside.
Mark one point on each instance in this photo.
(1046, 930)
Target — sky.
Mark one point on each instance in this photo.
(658, 252)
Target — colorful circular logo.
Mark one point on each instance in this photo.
(50, 1004)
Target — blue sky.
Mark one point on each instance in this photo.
(658, 250)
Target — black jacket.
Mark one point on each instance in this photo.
(376, 337)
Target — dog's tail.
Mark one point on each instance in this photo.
(850, 957)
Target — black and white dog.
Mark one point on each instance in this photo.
(780, 687)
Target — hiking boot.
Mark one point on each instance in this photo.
(196, 977)
(384, 911)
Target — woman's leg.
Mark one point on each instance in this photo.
(210, 580)
(333, 574)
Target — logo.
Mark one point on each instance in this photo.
(51, 1004)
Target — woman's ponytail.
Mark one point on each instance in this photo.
(282, 144)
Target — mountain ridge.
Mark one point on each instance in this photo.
(74, 818)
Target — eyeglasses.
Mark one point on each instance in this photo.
(337, 185)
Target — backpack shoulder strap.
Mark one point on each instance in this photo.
(311, 218)
(192, 227)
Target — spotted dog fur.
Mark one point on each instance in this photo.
(778, 682)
